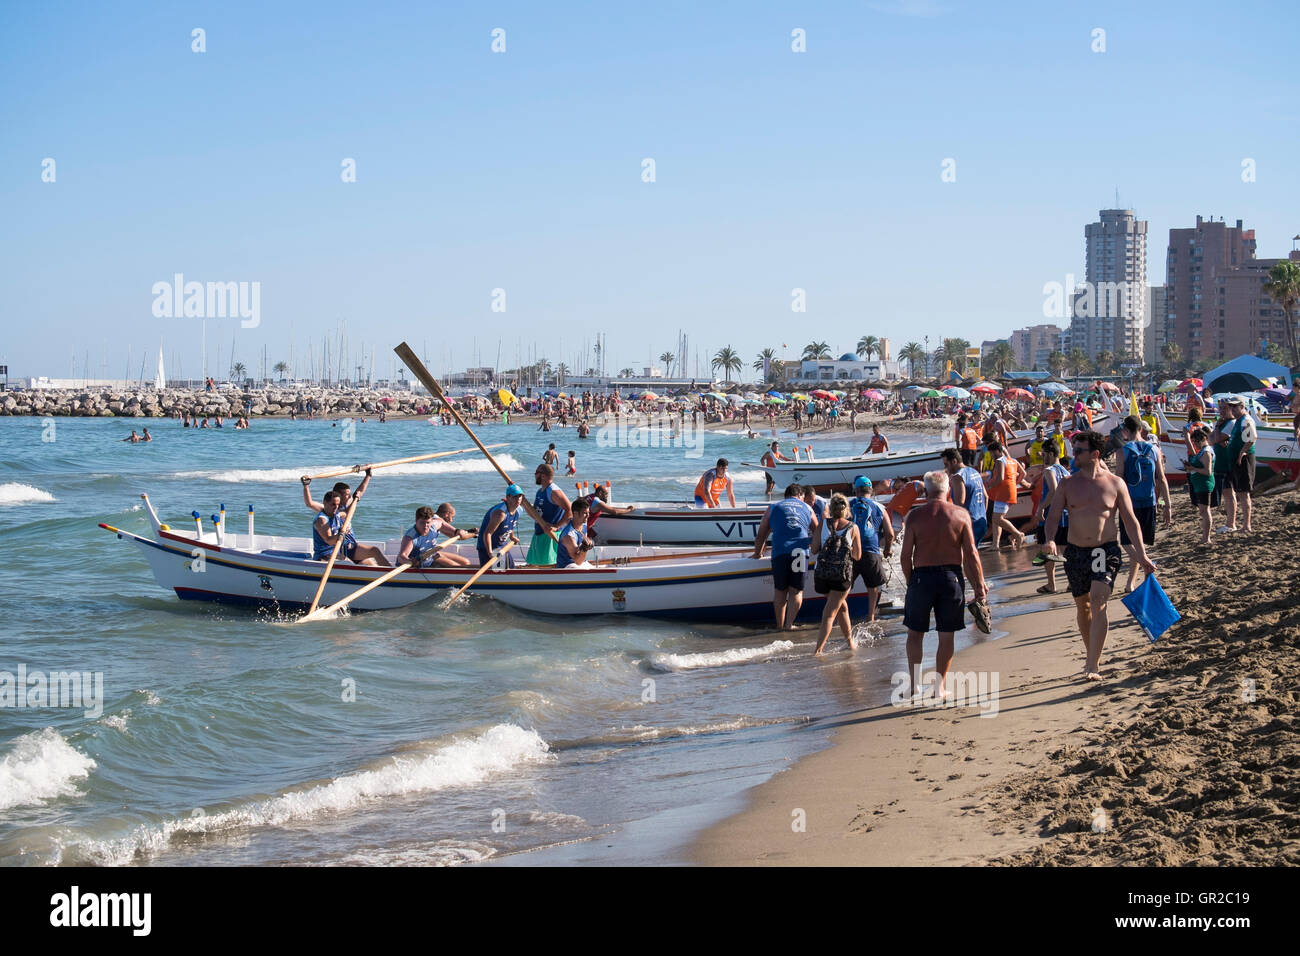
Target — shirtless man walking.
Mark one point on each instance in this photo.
(1097, 501)
(937, 544)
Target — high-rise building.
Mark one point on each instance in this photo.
(1216, 306)
(1034, 344)
(1108, 314)
(1155, 337)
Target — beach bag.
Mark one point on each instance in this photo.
(1149, 603)
(835, 562)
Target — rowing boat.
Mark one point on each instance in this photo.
(277, 572)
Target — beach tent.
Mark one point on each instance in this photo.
(1244, 373)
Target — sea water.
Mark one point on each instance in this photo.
(413, 736)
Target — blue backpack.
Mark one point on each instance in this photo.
(1140, 470)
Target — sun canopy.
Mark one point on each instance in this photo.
(952, 391)
(1256, 369)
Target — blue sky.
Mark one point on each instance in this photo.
(522, 170)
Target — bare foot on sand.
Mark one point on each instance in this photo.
(1091, 675)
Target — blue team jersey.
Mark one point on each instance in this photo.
(976, 498)
(870, 517)
(504, 529)
(551, 512)
(791, 522)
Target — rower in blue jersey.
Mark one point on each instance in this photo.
(966, 488)
(327, 527)
(420, 543)
(498, 524)
(575, 545)
(876, 531)
(552, 508)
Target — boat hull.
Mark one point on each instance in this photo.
(731, 587)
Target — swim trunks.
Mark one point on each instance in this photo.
(1146, 517)
(1084, 565)
(938, 588)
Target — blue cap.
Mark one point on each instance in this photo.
(862, 481)
(514, 490)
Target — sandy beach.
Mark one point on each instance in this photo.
(1185, 754)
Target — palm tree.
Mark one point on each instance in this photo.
(237, 371)
(868, 346)
(1000, 358)
(281, 368)
(1078, 361)
(561, 373)
(1105, 361)
(914, 354)
(591, 373)
(767, 358)
(1283, 286)
(625, 373)
(816, 350)
(954, 351)
(1057, 363)
(728, 360)
(1172, 353)
(667, 359)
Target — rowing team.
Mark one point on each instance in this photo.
(560, 536)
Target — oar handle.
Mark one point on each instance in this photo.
(334, 555)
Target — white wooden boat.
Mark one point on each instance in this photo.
(276, 571)
(679, 522)
(1275, 447)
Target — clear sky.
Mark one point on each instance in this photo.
(522, 170)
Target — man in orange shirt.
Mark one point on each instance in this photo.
(879, 443)
(712, 484)
(905, 494)
(1003, 486)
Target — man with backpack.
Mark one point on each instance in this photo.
(876, 533)
(1144, 473)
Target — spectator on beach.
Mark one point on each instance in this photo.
(838, 548)
(791, 525)
(1004, 485)
(1053, 474)
(1241, 454)
(937, 545)
(966, 490)
(1097, 501)
(1200, 479)
(1140, 465)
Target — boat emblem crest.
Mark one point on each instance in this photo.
(265, 582)
(620, 599)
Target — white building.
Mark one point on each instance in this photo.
(847, 368)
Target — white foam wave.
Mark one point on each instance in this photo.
(736, 655)
(17, 493)
(461, 763)
(441, 853)
(459, 466)
(41, 766)
(116, 721)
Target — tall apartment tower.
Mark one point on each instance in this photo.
(1109, 313)
(1200, 263)
(1156, 331)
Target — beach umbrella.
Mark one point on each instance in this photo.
(649, 396)
(775, 394)
(718, 395)
(1109, 387)
(1051, 387)
(875, 395)
(984, 388)
(1167, 386)
(1018, 394)
(953, 391)
(799, 397)
(775, 400)
(1190, 384)
(931, 393)
(506, 397)
(1280, 393)
(914, 389)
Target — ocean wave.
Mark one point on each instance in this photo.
(641, 733)
(41, 766)
(736, 655)
(459, 466)
(461, 763)
(439, 853)
(17, 493)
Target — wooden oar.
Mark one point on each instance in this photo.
(677, 555)
(338, 545)
(399, 461)
(510, 543)
(412, 362)
(325, 612)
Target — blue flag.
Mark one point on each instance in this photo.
(1151, 606)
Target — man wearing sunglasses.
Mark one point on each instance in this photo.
(1098, 501)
